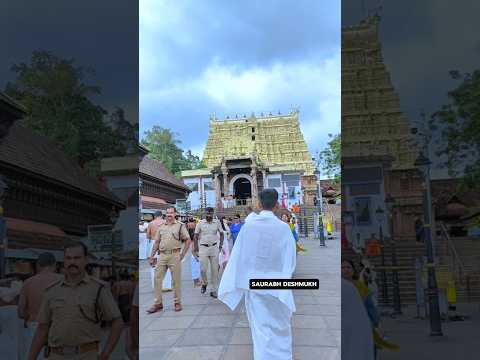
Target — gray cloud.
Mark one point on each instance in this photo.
(98, 34)
(236, 44)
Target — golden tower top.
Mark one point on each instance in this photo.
(275, 140)
(372, 121)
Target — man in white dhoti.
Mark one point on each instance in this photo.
(357, 339)
(264, 249)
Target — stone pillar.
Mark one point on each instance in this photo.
(253, 174)
(264, 179)
(217, 190)
(225, 182)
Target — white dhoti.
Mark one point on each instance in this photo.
(142, 246)
(195, 267)
(28, 334)
(270, 324)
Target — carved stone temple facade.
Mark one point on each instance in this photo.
(378, 152)
(245, 155)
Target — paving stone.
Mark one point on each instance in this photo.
(149, 353)
(315, 353)
(313, 337)
(217, 309)
(195, 353)
(174, 322)
(239, 352)
(205, 336)
(309, 322)
(160, 338)
(187, 310)
(241, 336)
(208, 321)
(332, 310)
(333, 322)
(308, 299)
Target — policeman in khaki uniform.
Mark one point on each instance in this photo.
(71, 313)
(206, 248)
(168, 242)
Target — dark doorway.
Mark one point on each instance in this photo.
(242, 189)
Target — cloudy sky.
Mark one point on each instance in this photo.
(422, 41)
(102, 35)
(235, 57)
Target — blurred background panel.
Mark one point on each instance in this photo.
(69, 152)
(410, 171)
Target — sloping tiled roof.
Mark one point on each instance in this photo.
(36, 154)
(12, 103)
(157, 170)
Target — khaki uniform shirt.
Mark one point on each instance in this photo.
(208, 233)
(70, 311)
(168, 235)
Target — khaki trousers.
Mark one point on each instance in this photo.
(172, 262)
(209, 255)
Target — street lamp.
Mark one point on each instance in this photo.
(321, 235)
(3, 229)
(380, 214)
(397, 308)
(423, 163)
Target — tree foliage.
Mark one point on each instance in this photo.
(459, 125)
(59, 105)
(163, 145)
(330, 157)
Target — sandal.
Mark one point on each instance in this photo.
(154, 309)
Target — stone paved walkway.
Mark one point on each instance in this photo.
(207, 330)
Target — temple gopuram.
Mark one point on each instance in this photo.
(245, 155)
(378, 149)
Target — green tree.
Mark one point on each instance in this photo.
(330, 157)
(163, 145)
(459, 126)
(59, 106)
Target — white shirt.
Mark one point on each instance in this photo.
(264, 249)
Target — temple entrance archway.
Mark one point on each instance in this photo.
(241, 186)
(242, 189)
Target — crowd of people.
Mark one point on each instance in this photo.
(222, 250)
(66, 310)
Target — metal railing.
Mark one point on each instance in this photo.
(456, 261)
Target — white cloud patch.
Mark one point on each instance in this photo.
(201, 68)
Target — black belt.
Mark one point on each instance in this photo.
(208, 245)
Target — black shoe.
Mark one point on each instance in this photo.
(204, 289)
(213, 294)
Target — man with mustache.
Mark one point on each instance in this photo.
(207, 235)
(72, 311)
(168, 241)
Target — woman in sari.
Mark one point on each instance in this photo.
(286, 219)
(349, 273)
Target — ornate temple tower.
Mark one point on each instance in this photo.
(378, 150)
(372, 122)
(245, 155)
